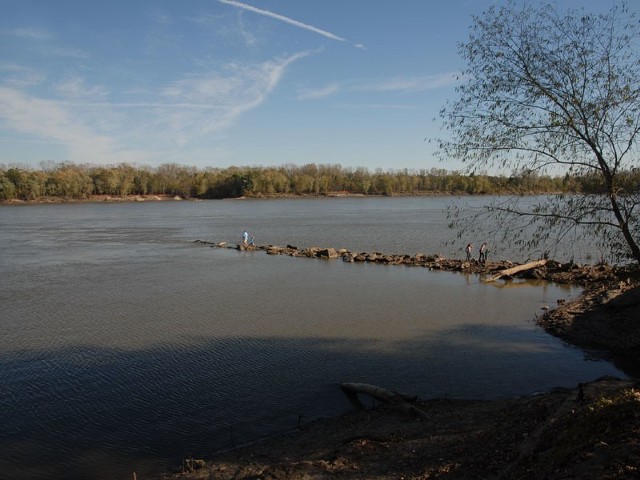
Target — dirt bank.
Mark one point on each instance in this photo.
(605, 319)
(589, 432)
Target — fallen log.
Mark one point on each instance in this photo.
(395, 400)
(519, 268)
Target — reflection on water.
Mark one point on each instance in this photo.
(126, 346)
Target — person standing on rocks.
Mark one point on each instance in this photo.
(483, 253)
(468, 249)
(245, 239)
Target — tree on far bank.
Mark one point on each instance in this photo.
(551, 91)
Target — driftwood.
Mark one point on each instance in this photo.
(395, 400)
(519, 268)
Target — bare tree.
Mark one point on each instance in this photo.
(546, 91)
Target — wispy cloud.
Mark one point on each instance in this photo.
(393, 85)
(245, 33)
(93, 129)
(284, 19)
(219, 25)
(51, 121)
(75, 87)
(241, 88)
(162, 18)
(30, 33)
(411, 84)
(376, 106)
(44, 42)
(20, 76)
(310, 94)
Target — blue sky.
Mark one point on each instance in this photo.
(218, 83)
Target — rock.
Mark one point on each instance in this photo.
(348, 257)
(326, 253)
(386, 259)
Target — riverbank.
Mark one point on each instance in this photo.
(262, 196)
(94, 199)
(590, 431)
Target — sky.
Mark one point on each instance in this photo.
(221, 83)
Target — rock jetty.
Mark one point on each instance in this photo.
(553, 271)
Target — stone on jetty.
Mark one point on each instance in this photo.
(327, 253)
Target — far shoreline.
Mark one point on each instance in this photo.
(172, 198)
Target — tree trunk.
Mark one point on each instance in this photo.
(519, 268)
(624, 227)
(393, 399)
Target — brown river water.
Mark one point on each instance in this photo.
(125, 346)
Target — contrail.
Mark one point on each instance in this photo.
(282, 18)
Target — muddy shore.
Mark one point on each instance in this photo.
(591, 431)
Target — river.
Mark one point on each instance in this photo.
(126, 346)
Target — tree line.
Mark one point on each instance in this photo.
(72, 181)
